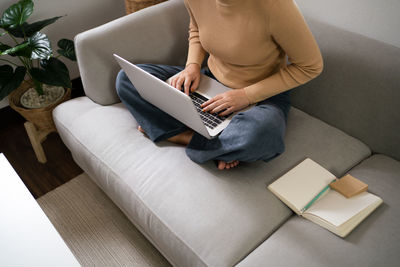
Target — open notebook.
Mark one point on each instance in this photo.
(305, 189)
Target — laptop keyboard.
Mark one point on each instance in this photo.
(210, 120)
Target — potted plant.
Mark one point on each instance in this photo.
(42, 79)
(39, 81)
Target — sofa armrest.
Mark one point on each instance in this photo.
(157, 34)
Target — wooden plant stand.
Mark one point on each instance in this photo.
(39, 121)
(37, 137)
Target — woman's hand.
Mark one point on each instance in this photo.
(189, 78)
(230, 101)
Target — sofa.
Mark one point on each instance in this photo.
(347, 120)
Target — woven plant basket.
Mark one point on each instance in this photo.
(42, 118)
(135, 5)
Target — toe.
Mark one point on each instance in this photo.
(233, 164)
(221, 165)
(141, 130)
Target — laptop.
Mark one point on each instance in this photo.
(176, 103)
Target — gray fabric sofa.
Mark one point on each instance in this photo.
(348, 120)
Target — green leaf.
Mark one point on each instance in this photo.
(67, 49)
(19, 50)
(17, 14)
(10, 80)
(38, 86)
(30, 29)
(53, 72)
(40, 46)
(3, 47)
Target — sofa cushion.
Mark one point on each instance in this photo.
(375, 242)
(194, 214)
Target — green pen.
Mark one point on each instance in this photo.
(316, 197)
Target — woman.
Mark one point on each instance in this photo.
(248, 43)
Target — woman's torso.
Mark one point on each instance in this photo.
(236, 35)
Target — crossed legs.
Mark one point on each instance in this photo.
(256, 134)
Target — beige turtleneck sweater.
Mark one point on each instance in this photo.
(247, 42)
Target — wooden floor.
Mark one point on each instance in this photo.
(14, 144)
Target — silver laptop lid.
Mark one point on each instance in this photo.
(164, 96)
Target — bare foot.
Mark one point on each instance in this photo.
(184, 139)
(222, 165)
(181, 139)
(141, 130)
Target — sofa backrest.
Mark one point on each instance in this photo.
(358, 90)
(157, 34)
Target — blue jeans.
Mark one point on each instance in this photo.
(256, 134)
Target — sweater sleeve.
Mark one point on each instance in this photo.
(196, 52)
(290, 31)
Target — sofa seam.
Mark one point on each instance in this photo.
(292, 214)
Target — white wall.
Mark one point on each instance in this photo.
(378, 19)
(81, 15)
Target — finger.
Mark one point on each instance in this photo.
(213, 106)
(220, 107)
(227, 111)
(210, 101)
(195, 84)
(174, 81)
(207, 103)
(179, 83)
(187, 85)
(210, 106)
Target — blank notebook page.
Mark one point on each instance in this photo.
(337, 209)
(302, 183)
